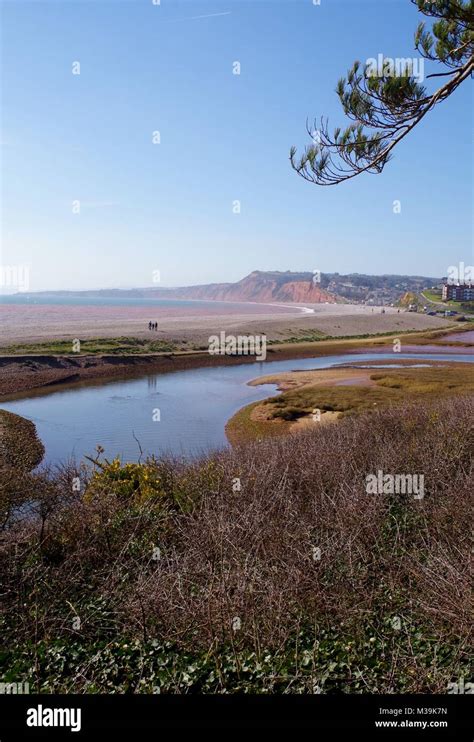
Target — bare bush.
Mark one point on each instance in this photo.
(300, 543)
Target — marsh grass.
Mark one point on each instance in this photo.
(120, 345)
(395, 386)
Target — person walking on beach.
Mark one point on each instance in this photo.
(149, 325)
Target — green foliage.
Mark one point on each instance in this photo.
(289, 413)
(156, 482)
(92, 346)
(333, 659)
(128, 482)
(451, 37)
(385, 104)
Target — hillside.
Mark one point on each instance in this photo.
(407, 299)
(258, 286)
(283, 286)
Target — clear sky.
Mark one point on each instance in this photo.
(168, 207)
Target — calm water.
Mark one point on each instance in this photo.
(194, 406)
(111, 301)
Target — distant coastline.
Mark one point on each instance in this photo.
(301, 287)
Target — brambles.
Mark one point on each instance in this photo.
(121, 591)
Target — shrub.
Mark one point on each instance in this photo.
(158, 570)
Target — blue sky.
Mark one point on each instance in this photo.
(168, 207)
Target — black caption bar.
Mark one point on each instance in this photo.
(80, 716)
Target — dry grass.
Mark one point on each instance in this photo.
(249, 553)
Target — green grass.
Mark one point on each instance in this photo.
(393, 386)
(420, 337)
(436, 297)
(319, 336)
(120, 345)
(241, 427)
(309, 337)
(138, 346)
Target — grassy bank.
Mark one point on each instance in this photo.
(415, 337)
(23, 373)
(93, 346)
(244, 426)
(20, 452)
(137, 346)
(264, 568)
(303, 393)
(20, 447)
(436, 298)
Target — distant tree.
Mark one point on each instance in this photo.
(386, 106)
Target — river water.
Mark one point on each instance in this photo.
(182, 413)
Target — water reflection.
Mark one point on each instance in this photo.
(194, 406)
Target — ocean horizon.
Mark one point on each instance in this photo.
(120, 301)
